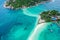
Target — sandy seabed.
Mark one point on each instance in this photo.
(35, 34)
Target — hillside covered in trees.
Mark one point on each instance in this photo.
(21, 3)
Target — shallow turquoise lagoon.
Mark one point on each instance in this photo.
(14, 24)
(53, 5)
(18, 24)
(51, 32)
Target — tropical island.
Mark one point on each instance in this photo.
(15, 4)
(50, 16)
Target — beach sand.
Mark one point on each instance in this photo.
(35, 34)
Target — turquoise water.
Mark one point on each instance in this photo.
(50, 35)
(14, 24)
(54, 5)
(17, 25)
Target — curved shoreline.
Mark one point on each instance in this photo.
(10, 7)
(39, 28)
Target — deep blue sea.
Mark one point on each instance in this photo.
(18, 24)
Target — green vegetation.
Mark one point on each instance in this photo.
(20, 3)
(47, 15)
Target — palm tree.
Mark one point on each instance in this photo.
(54, 12)
(48, 14)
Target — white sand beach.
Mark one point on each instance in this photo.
(5, 6)
(35, 34)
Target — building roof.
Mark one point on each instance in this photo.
(58, 17)
(54, 18)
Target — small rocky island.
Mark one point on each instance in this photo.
(49, 16)
(15, 4)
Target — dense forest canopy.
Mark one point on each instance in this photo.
(20, 3)
(47, 15)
